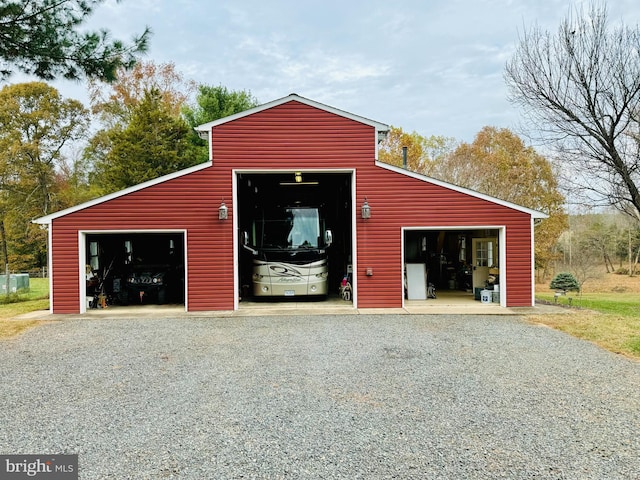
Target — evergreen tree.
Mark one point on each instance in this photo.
(41, 38)
(213, 103)
(152, 144)
(566, 282)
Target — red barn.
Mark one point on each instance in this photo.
(198, 237)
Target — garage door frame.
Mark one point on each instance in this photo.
(502, 252)
(82, 260)
(236, 244)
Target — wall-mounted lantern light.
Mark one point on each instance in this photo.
(223, 211)
(366, 209)
(298, 177)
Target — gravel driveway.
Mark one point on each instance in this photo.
(354, 397)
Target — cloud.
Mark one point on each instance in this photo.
(434, 67)
(272, 60)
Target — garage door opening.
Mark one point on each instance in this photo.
(133, 269)
(295, 231)
(454, 265)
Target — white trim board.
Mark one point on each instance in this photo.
(82, 248)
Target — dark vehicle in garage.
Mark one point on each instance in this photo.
(137, 268)
(147, 283)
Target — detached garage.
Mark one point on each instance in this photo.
(293, 203)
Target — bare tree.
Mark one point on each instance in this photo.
(580, 88)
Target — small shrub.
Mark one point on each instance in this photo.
(565, 282)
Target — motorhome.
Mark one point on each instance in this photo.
(289, 247)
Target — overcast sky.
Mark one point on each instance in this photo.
(431, 66)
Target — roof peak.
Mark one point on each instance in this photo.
(206, 127)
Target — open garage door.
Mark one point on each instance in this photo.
(458, 264)
(133, 268)
(295, 230)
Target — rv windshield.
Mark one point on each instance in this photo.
(295, 228)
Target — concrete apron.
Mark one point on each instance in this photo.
(328, 307)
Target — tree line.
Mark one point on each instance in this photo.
(145, 119)
(51, 159)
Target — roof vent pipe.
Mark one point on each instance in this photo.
(404, 157)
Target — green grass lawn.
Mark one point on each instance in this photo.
(610, 320)
(36, 298)
(625, 304)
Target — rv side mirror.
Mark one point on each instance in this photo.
(328, 238)
(244, 239)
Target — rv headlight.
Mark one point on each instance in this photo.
(265, 289)
(322, 275)
(313, 288)
(257, 276)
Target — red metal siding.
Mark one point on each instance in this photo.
(519, 259)
(297, 136)
(190, 202)
(398, 201)
(291, 136)
(65, 269)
